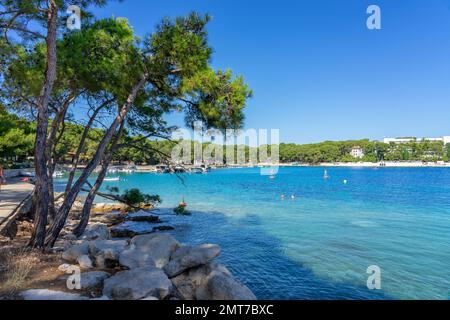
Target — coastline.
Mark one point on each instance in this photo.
(16, 173)
(388, 164)
(415, 164)
(117, 265)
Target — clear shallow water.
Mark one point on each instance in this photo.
(319, 245)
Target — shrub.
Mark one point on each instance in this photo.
(135, 197)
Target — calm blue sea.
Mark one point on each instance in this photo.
(319, 244)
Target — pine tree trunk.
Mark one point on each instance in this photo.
(52, 141)
(85, 214)
(61, 217)
(80, 148)
(41, 195)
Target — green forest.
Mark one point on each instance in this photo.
(17, 142)
(374, 151)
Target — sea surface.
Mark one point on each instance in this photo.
(319, 241)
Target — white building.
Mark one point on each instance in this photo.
(445, 140)
(357, 152)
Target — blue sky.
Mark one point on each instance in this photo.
(317, 72)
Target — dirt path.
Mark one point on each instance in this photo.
(12, 194)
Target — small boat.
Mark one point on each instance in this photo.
(198, 170)
(325, 175)
(27, 174)
(112, 179)
(206, 168)
(128, 169)
(272, 174)
(58, 174)
(179, 169)
(162, 169)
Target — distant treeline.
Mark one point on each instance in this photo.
(17, 140)
(374, 151)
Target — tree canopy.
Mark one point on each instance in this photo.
(126, 84)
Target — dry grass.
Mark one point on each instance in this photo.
(15, 267)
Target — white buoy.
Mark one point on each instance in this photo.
(345, 181)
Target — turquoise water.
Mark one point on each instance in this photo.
(320, 244)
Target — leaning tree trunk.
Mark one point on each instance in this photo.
(85, 214)
(63, 212)
(76, 158)
(52, 141)
(41, 195)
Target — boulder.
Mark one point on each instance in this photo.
(25, 208)
(44, 294)
(163, 228)
(108, 207)
(223, 286)
(143, 216)
(64, 267)
(61, 245)
(74, 252)
(92, 280)
(131, 229)
(102, 298)
(150, 298)
(126, 233)
(85, 262)
(211, 282)
(96, 231)
(150, 219)
(189, 257)
(76, 207)
(106, 253)
(137, 284)
(110, 218)
(149, 250)
(68, 236)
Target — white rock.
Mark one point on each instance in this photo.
(64, 267)
(94, 279)
(85, 262)
(106, 251)
(96, 231)
(44, 294)
(223, 286)
(74, 252)
(138, 283)
(211, 282)
(149, 250)
(103, 298)
(150, 298)
(189, 257)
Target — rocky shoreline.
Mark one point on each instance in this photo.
(118, 263)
